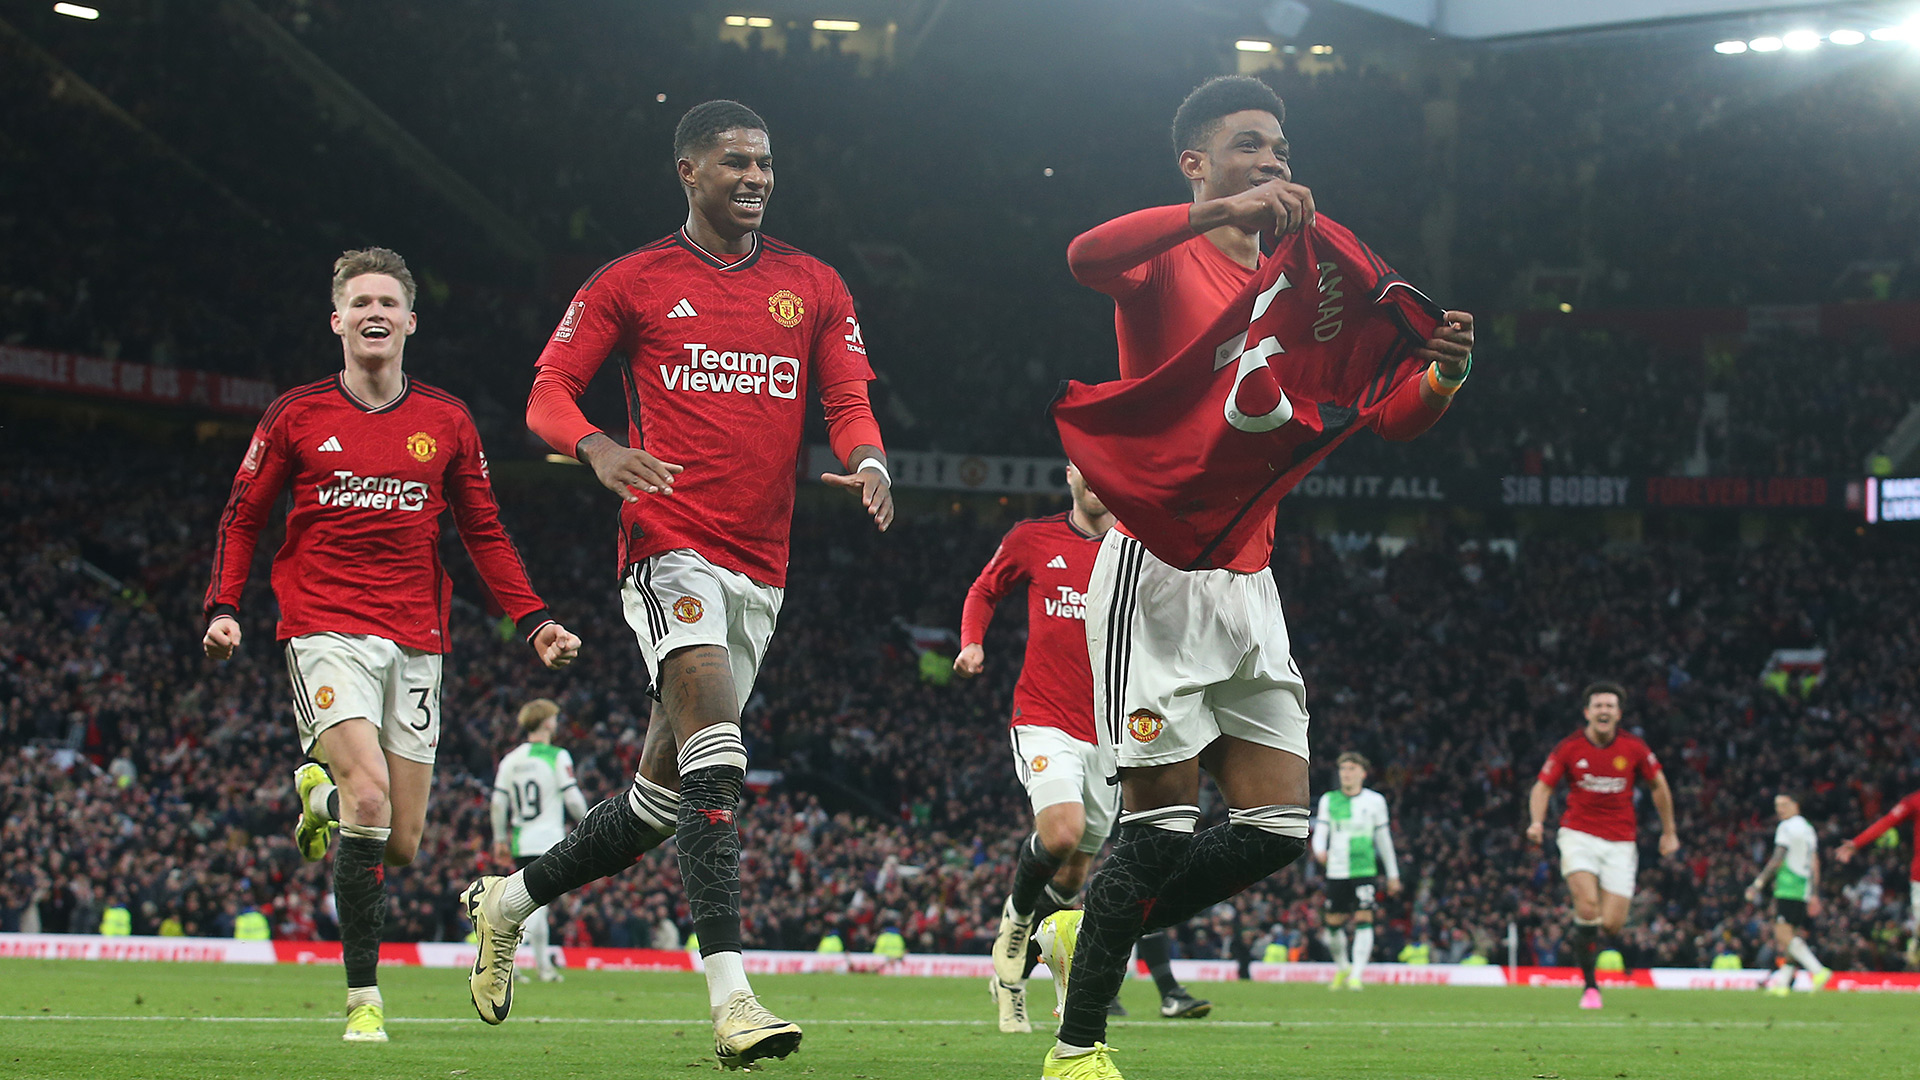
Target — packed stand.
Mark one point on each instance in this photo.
(135, 771)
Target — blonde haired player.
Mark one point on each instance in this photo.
(534, 794)
(1351, 839)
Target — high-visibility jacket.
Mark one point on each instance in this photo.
(252, 926)
(890, 945)
(831, 944)
(116, 921)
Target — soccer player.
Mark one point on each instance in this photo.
(1907, 809)
(1795, 870)
(534, 793)
(1597, 830)
(1351, 838)
(1058, 757)
(1191, 663)
(721, 332)
(372, 458)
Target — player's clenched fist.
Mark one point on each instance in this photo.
(222, 637)
(971, 661)
(628, 470)
(1276, 206)
(555, 646)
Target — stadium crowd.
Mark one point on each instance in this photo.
(135, 772)
(956, 256)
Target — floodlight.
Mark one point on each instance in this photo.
(77, 11)
(1765, 44)
(836, 26)
(1730, 48)
(1253, 45)
(1846, 37)
(1801, 40)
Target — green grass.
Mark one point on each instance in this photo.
(208, 1022)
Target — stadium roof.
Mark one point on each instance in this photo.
(1512, 18)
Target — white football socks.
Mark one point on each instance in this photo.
(1335, 939)
(516, 906)
(1362, 947)
(1803, 955)
(362, 995)
(726, 973)
(536, 925)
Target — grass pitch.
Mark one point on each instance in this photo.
(213, 1022)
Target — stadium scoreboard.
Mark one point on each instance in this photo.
(1893, 499)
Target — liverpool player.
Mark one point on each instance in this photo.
(372, 458)
(1060, 761)
(1190, 655)
(721, 331)
(534, 793)
(1795, 870)
(1353, 839)
(1597, 830)
(1907, 809)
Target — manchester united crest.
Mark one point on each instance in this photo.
(323, 697)
(1144, 726)
(687, 609)
(785, 308)
(422, 447)
(1039, 763)
(1620, 764)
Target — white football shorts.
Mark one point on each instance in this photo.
(1615, 862)
(363, 677)
(1057, 768)
(678, 599)
(1182, 657)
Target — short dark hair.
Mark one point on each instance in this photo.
(1794, 794)
(1199, 116)
(1604, 687)
(1356, 757)
(701, 127)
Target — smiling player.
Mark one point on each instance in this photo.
(372, 459)
(721, 331)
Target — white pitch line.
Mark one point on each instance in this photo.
(1385, 1026)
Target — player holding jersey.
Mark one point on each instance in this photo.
(1059, 759)
(1351, 838)
(1190, 658)
(1795, 870)
(721, 332)
(534, 793)
(1598, 856)
(372, 458)
(1907, 809)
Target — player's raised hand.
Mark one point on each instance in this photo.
(555, 646)
(222, 637)
(970, 662)
(627, 471)
(1451, 343)
(1669, 843)
(876, 492)
(1845, 852)
(1536, 834)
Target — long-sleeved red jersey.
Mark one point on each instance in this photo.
(1054, 560)
(1907, 809)
(716, 356)
(362, 554)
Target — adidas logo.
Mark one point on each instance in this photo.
(331, 446)
(1059, 563)
(1581, 764)
(682, 310)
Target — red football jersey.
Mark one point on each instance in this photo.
(717, 358)
(1163, 301)
(1054, 559)
(1600, 782)
(1907, 809)
(1194, 458)
(362, 554)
